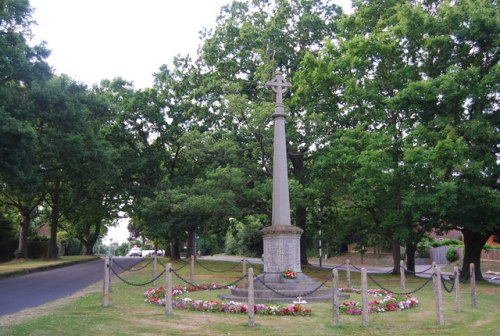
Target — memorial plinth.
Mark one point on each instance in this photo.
(281, 239)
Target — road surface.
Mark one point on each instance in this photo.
(34, 289)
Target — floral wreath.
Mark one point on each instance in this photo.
(289, 274)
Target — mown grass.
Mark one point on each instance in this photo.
(128, 314)
(18, 265)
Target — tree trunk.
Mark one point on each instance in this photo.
(175, 252)
(22, 249)
(300, 219)
(396, 256)
(473, 245)
(191, 244)
(89, 247)
(411, 249)
(54, 223)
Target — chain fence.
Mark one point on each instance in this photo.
(201, 287)
(219, 271)
(136, 284)
(130, 269)
(305, 294)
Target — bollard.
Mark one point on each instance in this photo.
(403, 276)
(154, 269)
(473, 294)
(244, 273)
(191, 271)
(250, 307)
(456, 273)
(335, 298)
(364, 296)
(111, 262)
(438, 294)
(168, 290)
(105, 294)
(348, 273)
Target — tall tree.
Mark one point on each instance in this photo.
(20, 64)
(253, 39)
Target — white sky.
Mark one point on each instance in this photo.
(91, 40)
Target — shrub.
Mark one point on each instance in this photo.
(447, 242)
(452, 254)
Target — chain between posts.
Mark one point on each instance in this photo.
(134, 284)
(400, 293)
(219, 271)
(177, 269)
(254, 266)
(200, 287)
(443, 281)
(420, 272)
(130, 268)
(306, 294)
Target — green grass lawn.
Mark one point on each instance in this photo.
(128, 314)
(26, 265)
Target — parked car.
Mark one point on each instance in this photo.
(135, 252)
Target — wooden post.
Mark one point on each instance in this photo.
(438, 294)
(456, 273)
(154, 269)
(111, 262)
(251, 304)
(335, 297)
(473, 294)
(364, 296)
(403, 276)
(348, 273)
(191, 272)
(105, 291)
(168, 290)
(244, 273)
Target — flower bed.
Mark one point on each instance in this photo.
(157, 296)
(389, 302)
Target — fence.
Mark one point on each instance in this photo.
(363, 309)
(438, 254)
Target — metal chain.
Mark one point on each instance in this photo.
(198, 286)
(130, 268)
(219, 271)
(446, 288)
(134, 284)
(257, 267)
(323, 268)
(178, 269)
(399, 293)
(306, 294)
(412, 272)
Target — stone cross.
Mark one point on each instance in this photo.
(279, 85)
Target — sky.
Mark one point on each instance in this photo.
(91, 40)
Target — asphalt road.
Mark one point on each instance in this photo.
(31, 290)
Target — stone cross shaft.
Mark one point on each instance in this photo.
(280, 199)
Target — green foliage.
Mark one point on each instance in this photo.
(491, 247)
(244, 238)
(211, 244)
(447, 242)
(452, 254)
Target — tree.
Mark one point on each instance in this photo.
(20, 64)
(420, 73)
(253, 39)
